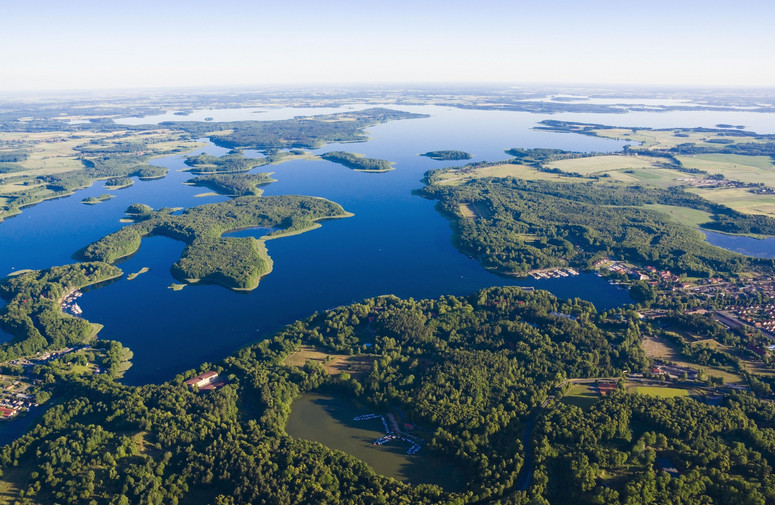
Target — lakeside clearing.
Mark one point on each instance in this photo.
(355, 365)
(590, 165)
(660, 349)
(455, 177)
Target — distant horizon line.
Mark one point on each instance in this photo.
(388, 85)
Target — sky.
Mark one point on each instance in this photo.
(81, 44)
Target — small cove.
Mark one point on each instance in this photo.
(329, 420)
(395, 243)
(750, 246)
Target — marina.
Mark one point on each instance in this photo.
(340, 424)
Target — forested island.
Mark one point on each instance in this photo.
(102, 149)
(234, 184)
(447, 155)
(301, 132)
(235, 161)
(234, 262)
(358, 162)
(480, 373)
(94, 200)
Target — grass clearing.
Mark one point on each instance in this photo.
(456, 177)
(683, 215)
(466, 211)
(332, 363)
(666, 392)
(739, 199)
(656, 177)
(664, 350)
(581, 395)
(14, 479)
(598, 164)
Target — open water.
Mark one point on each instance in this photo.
(396, 243)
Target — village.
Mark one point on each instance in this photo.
(23, 390)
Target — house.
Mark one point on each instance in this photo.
(6, 413)
(205, 381)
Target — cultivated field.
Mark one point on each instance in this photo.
(455, 177)
(667, 139)
(599, 164)
(332, 363)
(735, 167)
(739, 199)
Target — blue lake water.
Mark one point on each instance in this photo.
(11, 430)
(759, 248)
(396, 242)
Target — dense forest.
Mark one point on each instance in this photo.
(474, 370)
(235, 161)
(522, 225)
(357, 161)
(305, 132)
(33, 313)
(234, 184)
(449, 155)
(235, 262)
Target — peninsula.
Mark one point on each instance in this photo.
(235, 262)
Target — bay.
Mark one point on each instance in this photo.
(396, 242)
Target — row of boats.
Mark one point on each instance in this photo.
(390, 435)
(68, 303)
(553, 273)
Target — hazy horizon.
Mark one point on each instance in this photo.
(82, 45)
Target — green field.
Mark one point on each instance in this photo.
(581, 395)
(656, 177)
(683, 215)
(739, 199)
(459, 176)
(736, 167)
(597, 164)
(661, 392)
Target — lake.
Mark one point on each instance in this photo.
(329, 420)
(396, 242)
(750, 246)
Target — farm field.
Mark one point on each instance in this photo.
(457, 177)
(597, 164)
(332, 363)
(739, 199)
(736, 167)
